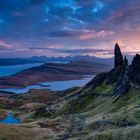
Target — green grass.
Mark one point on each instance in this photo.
(82, 104)
(103, 89)
(127, 107)
(98, 101)
(136, 117)
(95, 106)
(103, 137)
(94, 102)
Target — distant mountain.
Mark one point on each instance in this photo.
(44, 59)
(95, 59)
(72, 58)
(54, 72)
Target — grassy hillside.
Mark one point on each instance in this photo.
(88, 113)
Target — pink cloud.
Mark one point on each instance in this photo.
(87, 34)
(4, 44)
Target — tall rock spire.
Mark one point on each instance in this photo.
(118, 60)
(123, 83)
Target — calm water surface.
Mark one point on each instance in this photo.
(62, 85)
(9, 119)
(54, 86)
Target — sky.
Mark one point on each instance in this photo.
(57, 28)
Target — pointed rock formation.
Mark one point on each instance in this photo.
(118, 64)
(135, 69)
(122, 75)
(123, 82)
(118, 56)
(136, 64)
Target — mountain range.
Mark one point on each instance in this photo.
(44, 59)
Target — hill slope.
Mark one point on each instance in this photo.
(107, 108)
(53, 72)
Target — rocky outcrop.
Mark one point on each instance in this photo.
(118, 66)
(123, 81)
(122, 76)
(135, 69)
(119, 76)
(118, 59)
